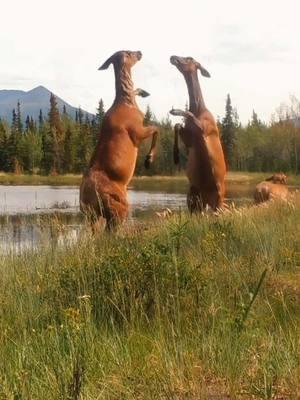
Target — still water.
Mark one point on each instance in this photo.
(31, 215)
(41, 199)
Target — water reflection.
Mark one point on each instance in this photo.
(37, 199)
(27, 232)
(31, 216)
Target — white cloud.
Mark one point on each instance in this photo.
(250, 48)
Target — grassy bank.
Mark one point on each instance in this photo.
(13, 179)
(74, 180)
(186, 308)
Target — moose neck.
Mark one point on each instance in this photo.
(197, 104)
(124, 87)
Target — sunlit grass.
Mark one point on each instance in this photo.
(183, 308)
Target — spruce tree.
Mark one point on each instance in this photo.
(41, 118)
(80, 116)
(27, 123)
(148, 116)
(100, 113)
(255, 121)
(54, 116)
(96, 122)
(4, 165)
(32, 125)
(84, 146)
(228, 133)
(14, 121)
(54, 141)
(69, 151)
(14, 141)
(19, 124)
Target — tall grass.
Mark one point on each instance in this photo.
(185, 308)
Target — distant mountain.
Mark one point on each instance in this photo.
(31, 102)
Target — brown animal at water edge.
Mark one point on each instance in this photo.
(103, 191)
(278, 178)
(273, 188)
(206, 167)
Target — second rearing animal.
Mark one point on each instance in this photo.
(103, 191)
(206, 167)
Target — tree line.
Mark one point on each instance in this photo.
(55, 144)
(260, 146)
(59, 144)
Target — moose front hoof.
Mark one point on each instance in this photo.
(148, 161)
(176, 112)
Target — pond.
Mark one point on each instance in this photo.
(27, 212)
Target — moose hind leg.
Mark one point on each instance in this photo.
(212, 199)
(115, 211)
(195, 201)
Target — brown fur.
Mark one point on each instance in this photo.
(103, 191)
(273, 188)
(206, 167)
(278, 178)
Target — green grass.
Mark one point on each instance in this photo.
(184, 308)
(149, 181)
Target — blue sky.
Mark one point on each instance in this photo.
(250, 48)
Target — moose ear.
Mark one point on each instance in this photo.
(203, 71)
(141, 92)
(106, 64)
(270, 179)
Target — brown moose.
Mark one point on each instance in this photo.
(273, 188)
(206, 167)
(103, 191)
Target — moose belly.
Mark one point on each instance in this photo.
(120, 165)
(199, 171)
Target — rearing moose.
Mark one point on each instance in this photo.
(103, 191)
(206, 167)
